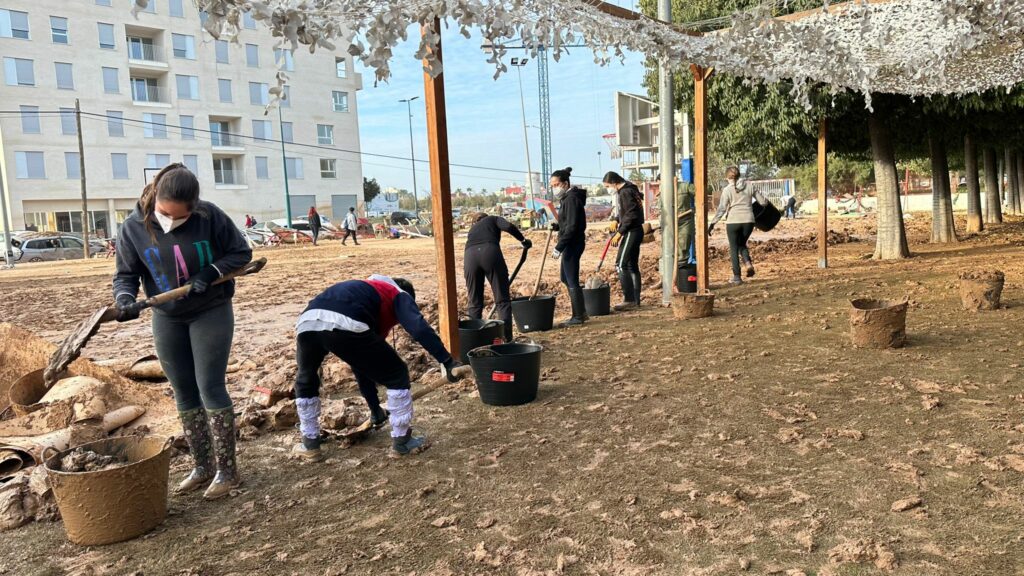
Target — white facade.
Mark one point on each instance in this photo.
(142, 83)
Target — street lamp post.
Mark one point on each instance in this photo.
(412, 154)
(284, 161)
(518, 63)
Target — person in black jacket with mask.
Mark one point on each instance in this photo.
(631, 228)
(483, 258)
(572, 238)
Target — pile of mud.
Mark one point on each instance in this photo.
(83, 459)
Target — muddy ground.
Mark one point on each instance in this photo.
(757, 441)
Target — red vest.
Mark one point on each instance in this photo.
(387, 319)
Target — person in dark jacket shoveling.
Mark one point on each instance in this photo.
(484, 259)
(572, 239)
(630, 225)
(352, 320)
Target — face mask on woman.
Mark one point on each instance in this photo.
(167, 223)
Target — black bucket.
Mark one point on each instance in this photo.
(534, 315)
(766, 217)
(507, 374)
(477, 333)
(686, 279)
(598, 301)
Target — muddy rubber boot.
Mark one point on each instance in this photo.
(408, 444)
(222, 425)
(736, 281)
(637, 286)
(578, 314)
(197, 435)
(308, 449)
(628, 300)
(507, 331)
(378, 417)
(750, 269)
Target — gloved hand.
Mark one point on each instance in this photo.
(554, 226)
(711, 228)
(124, 314)
(556, 254)
(201, 282)
(527, 244)
(448, 370)
(614, 226)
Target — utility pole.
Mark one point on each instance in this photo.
(519, 63)
(667, 161)
(8, 252)
(284, 162)
(412, 154)
(81, 174)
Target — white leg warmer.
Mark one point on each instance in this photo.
(400, 406)
(309, 416)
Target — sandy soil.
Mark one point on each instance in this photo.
(756, 441)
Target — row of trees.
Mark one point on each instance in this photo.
(765, 124)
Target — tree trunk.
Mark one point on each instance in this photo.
(994, 213)
(1020, 181)
(1012, 183)
(942, 199)
(974, 220)
(892, 237)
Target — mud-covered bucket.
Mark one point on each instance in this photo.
(688, 306)
(878, 323)
(117, 504)
(534, 314)
(507, 374)
(598, 301)
(477, 333)
(27, 391)
(981, 290)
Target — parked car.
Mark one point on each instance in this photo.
(402, 218)
(598, 212)
(302, 223)
(35, 247)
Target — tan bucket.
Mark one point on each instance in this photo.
(878, 323)
(27, 391)
(114, 505)
(688, 306)
(981, 290)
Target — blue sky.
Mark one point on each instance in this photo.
(485, 116)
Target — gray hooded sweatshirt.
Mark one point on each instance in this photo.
(736, 204)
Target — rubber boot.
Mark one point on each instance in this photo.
(378, 417)
(637, 286)
(582, 305)
(750, 268)
(408, 444)
(222, 425)
(507, 331)
(197, 435)
(736, 281)
(628, 299)
(578, 313)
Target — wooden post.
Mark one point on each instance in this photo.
(441, 203)
(700, 172)
(81, 177)
(823, 193)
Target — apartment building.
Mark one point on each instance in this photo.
(158, 89)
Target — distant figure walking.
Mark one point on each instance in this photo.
(314, 223)
(248, 221)
(789, 205)
(736, 207)
(351, 225)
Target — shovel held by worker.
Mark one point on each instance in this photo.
(522, 260)
(543, 260)
(72, 346)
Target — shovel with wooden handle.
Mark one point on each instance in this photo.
(72, 346)
(543, 260)
(522, 259)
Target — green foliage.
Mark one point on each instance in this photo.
(370, 189)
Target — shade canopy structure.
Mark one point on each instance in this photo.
(914, 47)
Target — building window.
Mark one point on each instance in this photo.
(340, 101)
(68, 127)
(262, 168)
(188, 87)
(222, 51)
(191, 161)
(324, 134)
(110, 82)
(13, 24)
(142, 49)
(19, 72)
(72, 165)
(258, 93)
(150, 7)
(224, 171)
(341, 67)
(224, 89)
(284, 59)
(37, 221)
(29, 165)
(59, 30)
(30, 120)
(65, 76)
(220, 134)
(103, 2)
(294, 167)
(183, 46)
(115, 123)
(106, 36)
(188, 124)
(154, 126)
(261, 130)
(286, 97)
(157, 160)
(119, 166)
(203, 17)
(286, 132)
(328, 168)
(175, 9)
(248, 21)
(252, 55)
(146, 90)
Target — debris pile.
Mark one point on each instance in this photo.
(83, 459)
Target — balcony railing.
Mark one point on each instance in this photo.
(229, 177)
(150, 93)
(225, 140)
(146, 52)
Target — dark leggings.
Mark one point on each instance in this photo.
(738, 236)
(194, 352)
(570, 275)
(486, 261)
(372, 359)
(351, 233)
(627, 263)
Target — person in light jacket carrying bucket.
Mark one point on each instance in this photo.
(736, 206)
(630, 225)
(483, 258)
(173, 238)
(572, 239)
(351, 226)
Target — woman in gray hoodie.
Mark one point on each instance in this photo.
(736, 206)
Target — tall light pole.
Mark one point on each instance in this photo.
(412, 154)
(518, 63)
(284, 161)
(8, 253)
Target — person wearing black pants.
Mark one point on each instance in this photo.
(630, 225)
(351, 226)
(352, 320)
(483, 259)
(173, 238)
(314, 223)
(572, 239)
(736, 206)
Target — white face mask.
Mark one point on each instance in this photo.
(611, 190)
(167, 223)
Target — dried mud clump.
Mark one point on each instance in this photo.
(82, 459)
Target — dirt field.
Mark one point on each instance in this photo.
(757, 441)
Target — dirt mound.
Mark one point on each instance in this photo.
(83, 459)
(863, 551)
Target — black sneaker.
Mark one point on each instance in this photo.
(379, 417)
(408, 444)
